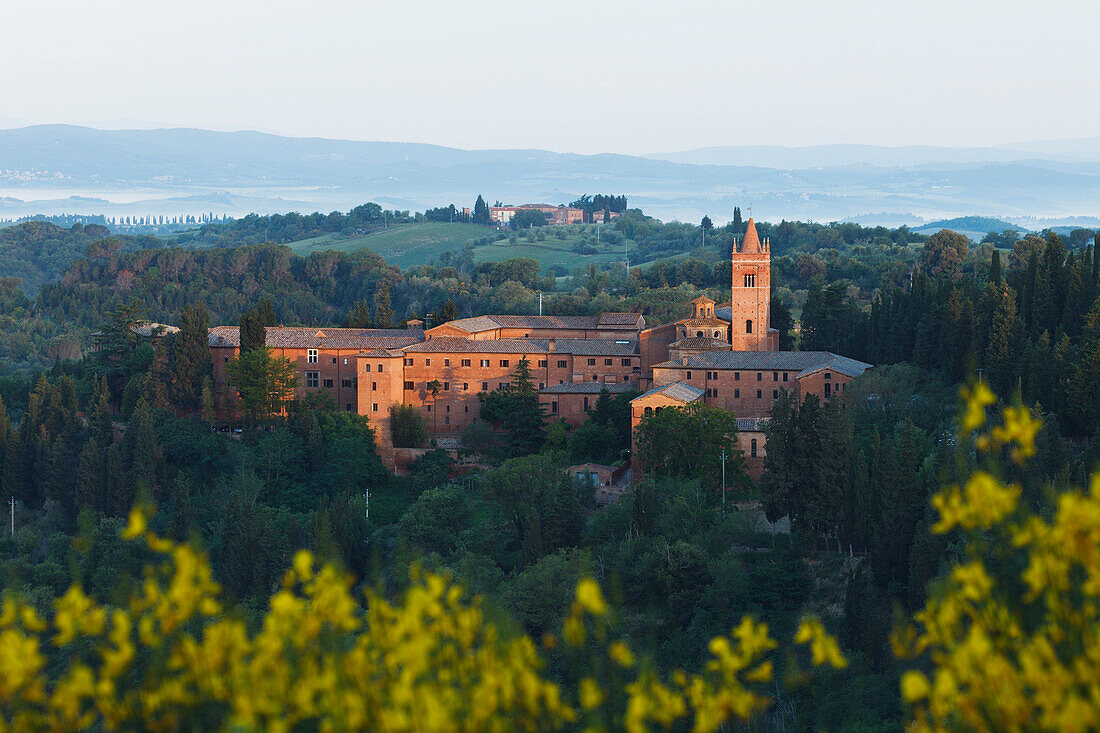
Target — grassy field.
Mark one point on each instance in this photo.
(407, 245)
(404, 245)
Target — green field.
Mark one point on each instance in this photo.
(407, 245)
(404, 245)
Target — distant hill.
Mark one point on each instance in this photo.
(61, 169)
(969, 225)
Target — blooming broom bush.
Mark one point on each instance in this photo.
(1011, 641)
(321, 658)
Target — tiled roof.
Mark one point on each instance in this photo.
(546, 321)
(803, 362)
(600, 347)
(473, 325)
(697, 342)
(452, 344)
(590, 387)
(295, 337)
(677, 391)
(620, 319)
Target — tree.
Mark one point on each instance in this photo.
(944, 253)
(448, 312)
(481, 211)
(527, 218)
(995, 268)
(189, 357)
(687, 442)
(359, 315)
(518, 412)
(265, 383)
(253, 332)
(383, 312)
(407, 427)
(738, 222)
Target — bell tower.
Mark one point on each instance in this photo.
(750, 327)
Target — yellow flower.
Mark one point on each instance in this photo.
(823, 647)
(914, 686)
(975, 401)
(590, 597)
(591, 695)
(620, 653)
(136, 526)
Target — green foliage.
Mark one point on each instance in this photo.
(517, 411)
(408, 427)
(264, 382)
(688, 442)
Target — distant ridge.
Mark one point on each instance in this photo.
(180, 170)
(982, 224)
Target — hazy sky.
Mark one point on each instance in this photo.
(630, 77)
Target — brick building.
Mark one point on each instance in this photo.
(722, 355)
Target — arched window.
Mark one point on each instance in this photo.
(752, 448)
(748, 326)
(699, 333)
(715, 334)
(648, 411)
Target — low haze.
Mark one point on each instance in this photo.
(638, 77)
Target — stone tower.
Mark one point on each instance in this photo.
(750, 327)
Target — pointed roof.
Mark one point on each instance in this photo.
(751, 242)
(702, 299)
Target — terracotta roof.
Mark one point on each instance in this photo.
(454, 344)
(546, 321)
(596, 347)
(599, 347)
(590, 388)
(472, 325)
(293, 337)
(621, 319)
(696, 342)
(702, 299)
(804, 362)
(751, 241)
(677, 390)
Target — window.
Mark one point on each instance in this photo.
(586, 403)
(737, 376)
(775, 376)
(446, 362)
(689, 375)
(736, 394)
(374, 386)
(503, 386)
(775, 394)
(410, 386)
(379, 368)
(759, 394)
(828, 375)
(448, 408)
(346, 361)
(554, 407)
(446, 386)
(334, 360)
(328, 383)
(227, 360)
(485, 362)
(562, 363)
(648, 411)
(752, 448)
(311, 356)
(465, 408)
(699, 334)
(347, 407)
(784, 376)
(504, 362)
(715, 334)
(312, 379)
(484, 386)
(427, 362)
(447, 420)
(345, 383)
(429, 408)
(465, 362)
(366, 367)
(465, 386)
(374, 407)
(625, 362)
(748, 326)
(408, 362)
(591, 362)
(542, 385)
(760, 376)
(542, 363)
(750, 280)
(828, 388)
(608, 362)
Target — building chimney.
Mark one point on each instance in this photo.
(550, 344)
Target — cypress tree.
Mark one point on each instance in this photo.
(383, 312)
(995, 268)
(253, 332)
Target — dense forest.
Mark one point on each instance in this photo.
(84, 438)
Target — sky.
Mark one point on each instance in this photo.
(586, 77)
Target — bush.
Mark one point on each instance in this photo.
(408, 427)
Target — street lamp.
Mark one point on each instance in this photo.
(723, 457)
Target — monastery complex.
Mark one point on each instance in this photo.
(722, 355)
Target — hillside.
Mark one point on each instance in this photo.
(55, 169)
(404, 245)
(974, 227)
